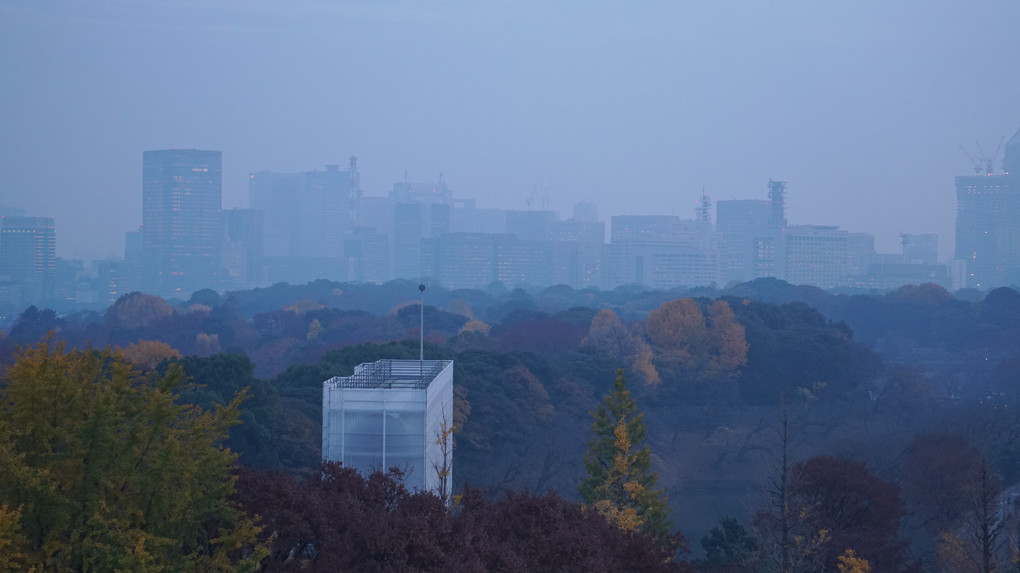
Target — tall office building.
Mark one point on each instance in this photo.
(579, 246)
(182, 226)
(462, 260)
(367, 256)
(307, 214)
(420, 211)
(920, 248)
(530, 225)
(988, 223)
(742, 227)
(277, 196)
(860, 251)
(815, 255)
(662, 251)
(307, 218)
(28, 255)
(244, 246)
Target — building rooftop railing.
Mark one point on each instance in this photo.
(405, 374)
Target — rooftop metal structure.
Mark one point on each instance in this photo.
(404, 374)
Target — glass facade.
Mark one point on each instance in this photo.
(389, 414)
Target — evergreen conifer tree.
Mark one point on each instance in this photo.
(620, 484)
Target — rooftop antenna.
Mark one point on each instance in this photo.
(421, 333)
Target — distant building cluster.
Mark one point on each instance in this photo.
(318, 224)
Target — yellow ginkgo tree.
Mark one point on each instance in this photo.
(102, 469)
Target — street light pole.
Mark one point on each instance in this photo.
(421, 333)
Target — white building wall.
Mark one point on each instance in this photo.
(377, 428)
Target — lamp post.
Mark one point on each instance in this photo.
(421, 333)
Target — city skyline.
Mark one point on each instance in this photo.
(861, 107)
(533, 203)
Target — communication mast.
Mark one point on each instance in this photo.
(704, 210)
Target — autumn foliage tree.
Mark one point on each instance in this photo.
(136, 309)
(727, 352)
(620, 484)
(688, 344)
(102, 470)
(839, 504)
(678, 328)
(338, 520)
(147, 354)
(608, 334)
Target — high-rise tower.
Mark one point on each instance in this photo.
(777, 199)
(988, 223)
(182, 225)
(28, 255)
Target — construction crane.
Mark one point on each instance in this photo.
(977, 162)
(983, 161)
(990, 161)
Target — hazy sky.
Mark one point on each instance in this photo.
(859, 106)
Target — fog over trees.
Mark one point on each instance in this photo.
(789, 428)
(723, 287)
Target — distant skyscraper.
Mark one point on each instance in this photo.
(530, 225)
(277, 196)
(920, 249)
(586, 211)
(662, 251)
(307, 217)
(131, 276)
(28, 255)
(860, 250)
(777, 200)
(579, 250)
(367, 256)
(988, 223)
(462, 260)
(182, 226)
(742, 225)
(244, 240)
(420, 211)
(306, 214)
(815, 255)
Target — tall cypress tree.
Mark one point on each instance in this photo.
(620, 484)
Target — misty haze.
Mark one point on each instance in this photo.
(693, 286)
